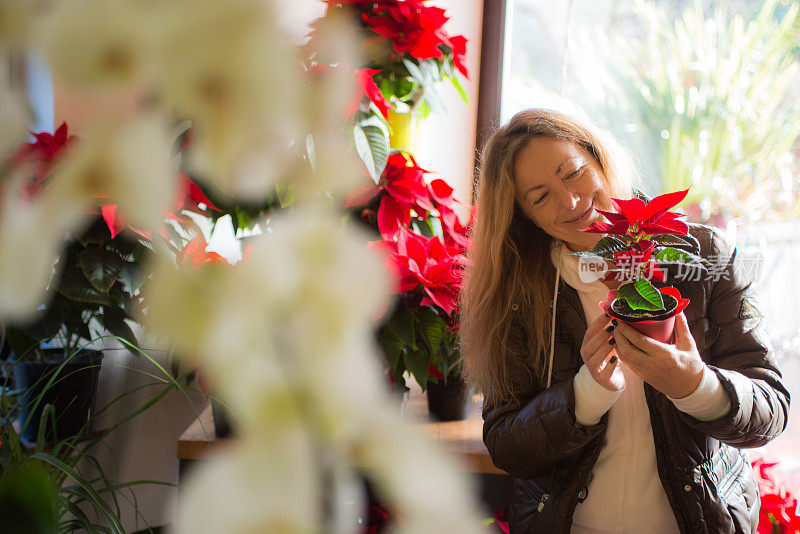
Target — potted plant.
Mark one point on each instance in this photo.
(93, 292)
(408, 54)
(426, 242)
(642, 237)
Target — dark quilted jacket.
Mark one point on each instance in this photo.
(708, 480)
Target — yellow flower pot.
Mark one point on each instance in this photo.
(404, 130)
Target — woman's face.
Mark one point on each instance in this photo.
(559, 185)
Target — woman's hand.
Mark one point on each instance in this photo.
(599, 355)
(675, 370)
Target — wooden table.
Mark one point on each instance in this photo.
(461, 438)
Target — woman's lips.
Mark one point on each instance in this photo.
(584, 218)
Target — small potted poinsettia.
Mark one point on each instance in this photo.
(641, 239)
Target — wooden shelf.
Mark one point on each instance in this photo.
(461, 438)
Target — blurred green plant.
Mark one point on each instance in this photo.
(60, 486)
(718, 96)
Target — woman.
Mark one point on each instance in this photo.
(603, 429)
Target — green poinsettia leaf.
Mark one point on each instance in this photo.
(101, 267)
(75, 286)
(372, 145)
(418, 364)
(672, 255)
(432, 327)
(641, 295)
(402, 325)
(391, 347)
(605, 248)
(113, 320)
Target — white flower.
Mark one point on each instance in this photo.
(266, 482)
(228, 68)
(128, 163)
(30, 239)
(97, 44)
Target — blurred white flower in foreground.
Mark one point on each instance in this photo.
(268, 482)
(227, 67)
(126, 163)
(30, 239)
(97, 44)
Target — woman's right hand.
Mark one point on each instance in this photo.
(599, 355)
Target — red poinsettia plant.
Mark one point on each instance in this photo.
(641, 239)
(101, 268)
(408, 50)
(408, 53)
(426, 242)
(778, 513)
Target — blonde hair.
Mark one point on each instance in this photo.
(507, 293)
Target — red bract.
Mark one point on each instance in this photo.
(406, 190)
(638, 258)
(776, 501)
(459, 43)
(38, 159)
(412, 27)
(368, 88)
(426, 262)
(637, 218)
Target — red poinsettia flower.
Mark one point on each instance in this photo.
(39, 159)
(412, 27)
(459, 43)
(428, 263)
(406, 191)
(636, 259)
(368, 88)
(637, 218)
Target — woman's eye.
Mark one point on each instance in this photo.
(573, 174)
(540, 199)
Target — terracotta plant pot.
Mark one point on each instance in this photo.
(659, 325)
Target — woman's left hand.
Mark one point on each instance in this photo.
(675, 370)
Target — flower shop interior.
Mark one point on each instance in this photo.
(240, 311)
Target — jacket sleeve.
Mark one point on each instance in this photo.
(741, 356)
(529, 436)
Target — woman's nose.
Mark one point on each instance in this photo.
(570, 199)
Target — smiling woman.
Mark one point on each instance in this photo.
(600, 425)
(560, 186)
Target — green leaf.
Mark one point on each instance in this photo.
(672, 255)
(97, 234)
(113, 320)
(402, 326)
(101, 267)
(372, 146)
(459, 88)
(418, 363)
(75, 286)
(286, 194)
(432, 327)
(605, 248)
(641, 295)
(391, 347)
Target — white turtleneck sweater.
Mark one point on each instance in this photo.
(625, 494)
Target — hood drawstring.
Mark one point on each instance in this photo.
(553, 319)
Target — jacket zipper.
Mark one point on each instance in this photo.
(543, 500)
